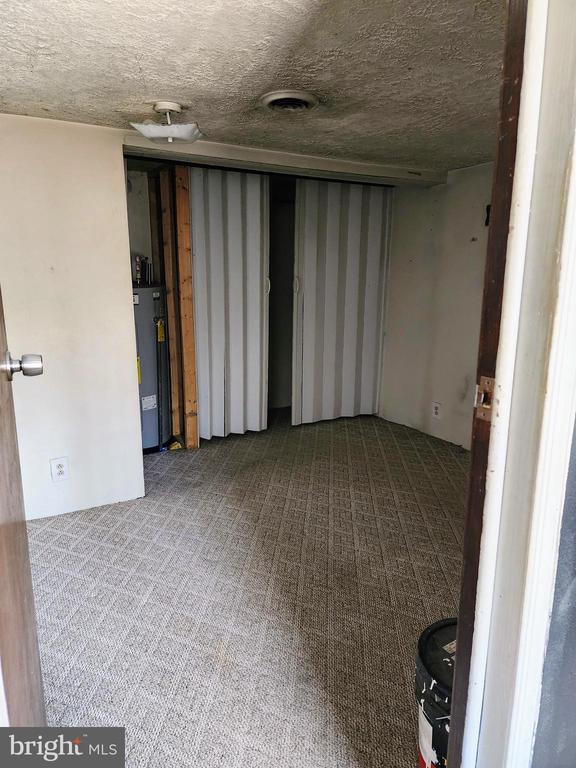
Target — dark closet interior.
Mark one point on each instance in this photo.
(281, 271)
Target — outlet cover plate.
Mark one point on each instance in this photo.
(59, 469)
(436, 410)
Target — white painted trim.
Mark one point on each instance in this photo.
(535, 407)
(549, 494)
(277, 161)
(512, 296)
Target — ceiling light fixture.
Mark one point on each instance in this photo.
(169, 132)
(289, 101)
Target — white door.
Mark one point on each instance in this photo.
(229, 218)
(340, 259)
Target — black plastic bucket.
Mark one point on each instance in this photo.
(434, 673)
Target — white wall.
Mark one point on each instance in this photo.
(434, 299)
(66, 283)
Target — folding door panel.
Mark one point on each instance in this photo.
(341, 244)
(230, 255)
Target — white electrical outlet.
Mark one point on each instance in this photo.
(436, 410)
(59, 469)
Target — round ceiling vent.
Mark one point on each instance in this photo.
(289, 101)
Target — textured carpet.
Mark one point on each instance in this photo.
(260, 607)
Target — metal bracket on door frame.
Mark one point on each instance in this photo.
(484, 398)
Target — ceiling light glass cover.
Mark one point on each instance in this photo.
(167, 133)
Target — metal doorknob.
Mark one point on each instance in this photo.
(29, 365)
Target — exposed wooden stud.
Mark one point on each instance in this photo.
(172, 305)
(186, 302)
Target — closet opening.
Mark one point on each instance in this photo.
(257, 297)
(161, 268)
(281, 297)
(149, 301)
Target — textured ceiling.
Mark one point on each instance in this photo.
(403, 82)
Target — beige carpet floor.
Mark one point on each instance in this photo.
(260, 607)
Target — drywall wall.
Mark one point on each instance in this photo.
(433, 304)
(139, 215)
(66, 284)
(281, 270)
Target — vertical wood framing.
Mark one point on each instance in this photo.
(489, 336)
(186, 297)
(172, 304)
(536, 388)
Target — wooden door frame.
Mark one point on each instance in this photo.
(511, 85)
(519, 496)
